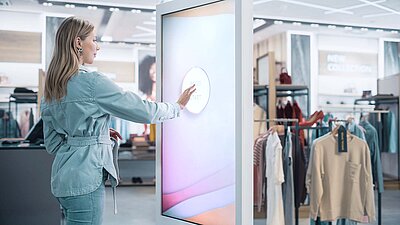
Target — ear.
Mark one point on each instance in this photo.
(78, 42)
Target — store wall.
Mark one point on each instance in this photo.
(26, 74)
(343, 88)
(21, 74)
(276, 44)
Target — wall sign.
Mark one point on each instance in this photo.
(348, 63)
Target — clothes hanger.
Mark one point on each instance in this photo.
(335, 130)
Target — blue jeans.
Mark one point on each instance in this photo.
(84, 209)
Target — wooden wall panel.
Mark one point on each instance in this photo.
(124, 71)
(20, 47)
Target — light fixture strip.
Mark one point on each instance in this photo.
(93, 6)
(332, 26)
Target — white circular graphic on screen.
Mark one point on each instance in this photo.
(199, 98)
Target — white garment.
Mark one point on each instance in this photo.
(275, 178)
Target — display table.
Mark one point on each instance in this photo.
(25, 196)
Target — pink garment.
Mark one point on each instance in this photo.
(24, 123)
(258, 169)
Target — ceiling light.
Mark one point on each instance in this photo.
(137, 44)
(364, 29)
(314, 25)
(379, 30)
(47, 3)
(136, 11)
(278, 22)
(296, 24)
(92, 7)
(348, 28)
(331, 26)
(394, 31)
(152, 45)
(154, 12)
(258, 23)
(114, 9)
(106, 38)
(69, 6)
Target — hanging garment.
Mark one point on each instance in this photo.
(389, 131)
(356, 130)
(299, 173)
(340, 184)
(373, 144)
(280, 110)
(287, 186)
(24, 123)
(275, 178)
(289, 110)
(297, 114)
(258, 170)
(9, 126)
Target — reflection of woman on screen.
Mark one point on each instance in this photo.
(147, 77)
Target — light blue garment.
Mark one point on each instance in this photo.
(287, 186)
(84, 209)
(373, 144)
(356, 130)
(76, 130)
(393, 133)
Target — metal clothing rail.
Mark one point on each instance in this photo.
(296, 128)
(380, 130)
(297, 148)
(389, 100)
(379, 112)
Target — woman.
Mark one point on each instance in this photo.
(147, 77)
(147, 82)
(76, 112)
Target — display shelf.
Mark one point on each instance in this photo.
(289, 88)
(346, 106)
(340, 94)
(17, 86)
(378, 99)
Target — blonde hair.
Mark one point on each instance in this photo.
(65, 60)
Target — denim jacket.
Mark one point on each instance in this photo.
(76, 129)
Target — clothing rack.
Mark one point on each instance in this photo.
(296, 148)
(386, 99)
(296, 128)
(283, 91)
(379, 129)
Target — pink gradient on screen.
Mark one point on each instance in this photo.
(198, 150)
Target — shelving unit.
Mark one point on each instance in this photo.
(284, 91)
(385, 99)
(20, 98)
(138, 162)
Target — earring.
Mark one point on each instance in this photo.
(80, 50)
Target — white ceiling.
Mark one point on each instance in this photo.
(140, 27)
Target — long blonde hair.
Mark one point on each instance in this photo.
(65, 60)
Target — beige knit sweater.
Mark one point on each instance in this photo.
(340, 184)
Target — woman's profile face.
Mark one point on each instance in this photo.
(90, 48)
(152, 72)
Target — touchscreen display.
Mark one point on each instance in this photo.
(198, 149)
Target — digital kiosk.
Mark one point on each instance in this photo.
(204, 158)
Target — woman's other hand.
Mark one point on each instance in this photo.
(114, 134)
(185, 96)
